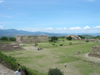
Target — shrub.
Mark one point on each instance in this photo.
(53, 44)
(12, 39)
(54, 38)
(61, 44)
(54, 72)
(70, 43)
(87, 40)
(36, 44)
(69, 38)
(4, 38)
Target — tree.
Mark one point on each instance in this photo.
(55, 71)
(12, 39)
(87, 40)
(4, 38)
(82, 37)
(69, 38)
(54, 38)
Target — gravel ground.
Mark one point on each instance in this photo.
(5, 71)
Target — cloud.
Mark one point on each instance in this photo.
(87, 27)
(1, 1)
(76, 28)
(1, 26)
(96, 27)
(49, 28)
(65, 28)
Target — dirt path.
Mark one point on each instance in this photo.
(30, 48)
(91, 58)
(5, 71)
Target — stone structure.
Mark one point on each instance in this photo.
(26, 39)
(10, 46)
(75, 37)
(95, 51)
(93, 40)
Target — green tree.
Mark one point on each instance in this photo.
(55, 71)
(4, 38)
(82, 37)
(69, 38)
(87, 40)
(12, 39)
(54, 38)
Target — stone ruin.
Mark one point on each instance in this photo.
(95, 51)
(29, 39)
(10, 47)
(75, 37)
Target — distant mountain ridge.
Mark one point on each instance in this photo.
(14, 32)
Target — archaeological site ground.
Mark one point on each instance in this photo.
(75, 53)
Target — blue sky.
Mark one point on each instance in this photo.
(57, 16)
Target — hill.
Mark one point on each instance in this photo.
(14, 32)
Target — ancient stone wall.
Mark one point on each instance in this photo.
(9, 46)
(95, 51)
(26, 39)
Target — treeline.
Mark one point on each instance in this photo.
(4, 38)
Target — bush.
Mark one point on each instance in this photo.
(69, 38)
(12, 39)
(54, 38)
(55, 72)
(87, 40)
(53, 44)
(4, 38)
(36, 44)
(61, 44)
(70, 43)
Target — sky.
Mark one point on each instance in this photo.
(54, 16)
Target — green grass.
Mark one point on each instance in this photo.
(55, 57)
(1, 42)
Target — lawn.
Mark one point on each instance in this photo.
(56, 56)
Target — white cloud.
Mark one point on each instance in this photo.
(1, 26)
(96, 27)
(49, 28)
(72, 28)
(65, 28)
(1, 1)
(87, 27)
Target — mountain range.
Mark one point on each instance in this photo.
(14, 32)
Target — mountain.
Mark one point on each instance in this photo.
(13, 33)
(88, 36)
